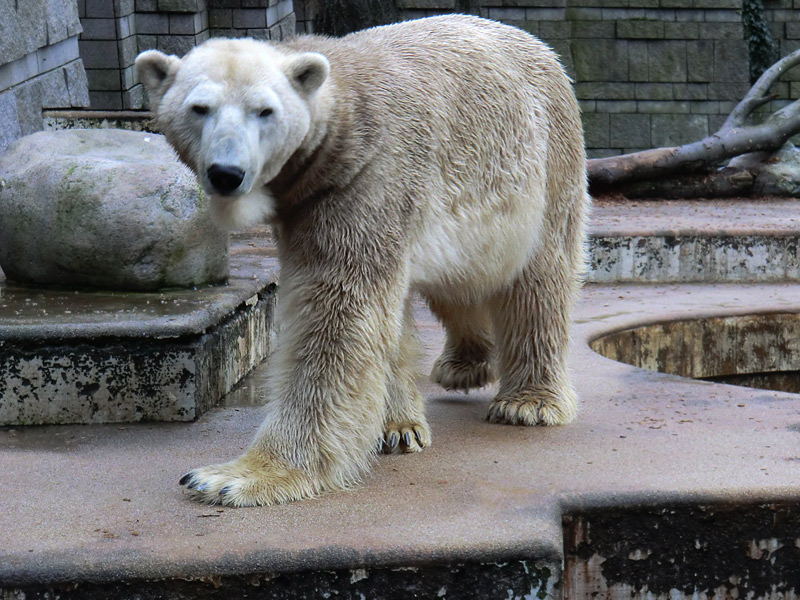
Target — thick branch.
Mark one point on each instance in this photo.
(731, 140)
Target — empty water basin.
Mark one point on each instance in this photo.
(755, 350)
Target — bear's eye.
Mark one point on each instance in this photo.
(199, 109)
(265, 113)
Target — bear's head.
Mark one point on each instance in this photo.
(235, 111)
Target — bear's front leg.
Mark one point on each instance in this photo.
(327, 386)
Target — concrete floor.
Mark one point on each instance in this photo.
(102, 504)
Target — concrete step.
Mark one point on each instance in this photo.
(694, 240)
(104, 357)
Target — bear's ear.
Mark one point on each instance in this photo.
(153, 68)
(307, 72)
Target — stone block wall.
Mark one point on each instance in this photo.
(115, 31)
(40, 66)
(647, 72)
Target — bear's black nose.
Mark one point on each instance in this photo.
(225, 178)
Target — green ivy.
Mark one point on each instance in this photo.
(762, 48)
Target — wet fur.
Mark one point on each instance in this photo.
(444, 157)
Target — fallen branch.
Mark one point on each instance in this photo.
(733, 139)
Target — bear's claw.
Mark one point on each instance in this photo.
(405, 437)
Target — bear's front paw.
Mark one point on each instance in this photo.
(456, 373)
(405, 437)
(253, 479)
(534, 408)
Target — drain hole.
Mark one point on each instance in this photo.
(759, 351)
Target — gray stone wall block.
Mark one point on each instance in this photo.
(134, 98)
(102, 9)
(103, 80)
(123, 8)
(682, 31)
(654, 91)
(555, 30)
(62, 20)
(675, 3)
(640, 29)
(126, 26)
(718, 4)
(593, 29)
(596, 130)
(181, 5)
(615, 106)
(629, 130)
(721, 31)
(99, 54)
(705, 107)
(644, 4)
(600, 60)
(722, 16)
(152, 23)
(603, 90)
(105, 100)
(793, 30)
(143, 6)
(507, 14)
(730, 61)
(176, 44)
(653, 107)
(667, 61)
(128, 49)
(688, 15)
(22, 31)
(545, 14)
(700, 61)
(673, 130)
(638, 61)
(691, 91)
(249, 18)
(185, 24)
(9, 117)
(99, 29)
(727, 91)
(580, 13)
(220, 18)
(77, 84)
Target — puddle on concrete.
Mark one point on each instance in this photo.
(759, 350)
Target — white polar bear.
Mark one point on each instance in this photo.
(442, 156)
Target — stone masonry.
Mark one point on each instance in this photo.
(648, 73)
(115, 32)
(40, 66)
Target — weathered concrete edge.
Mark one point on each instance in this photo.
(684, 257)
(83, 567)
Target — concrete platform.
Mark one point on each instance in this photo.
(89, 356)
(664, 487)
(97, 506)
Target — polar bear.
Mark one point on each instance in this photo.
(442, 156)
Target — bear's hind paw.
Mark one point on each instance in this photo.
(533, 408)
(456, 374)
(250, 480)
(405, 437)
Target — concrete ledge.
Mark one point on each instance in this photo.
(95, 357)
(695, 241)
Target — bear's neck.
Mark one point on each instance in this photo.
(341, 142)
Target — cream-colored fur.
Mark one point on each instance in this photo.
(442, 156)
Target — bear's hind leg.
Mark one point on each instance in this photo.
(531, 320)
(406, 428)
(465, 362)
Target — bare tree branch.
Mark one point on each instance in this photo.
(732, 139)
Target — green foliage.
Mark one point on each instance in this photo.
(762, 47)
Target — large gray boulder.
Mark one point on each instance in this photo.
(105, 208)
